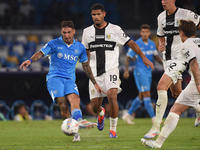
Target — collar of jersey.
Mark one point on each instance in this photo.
(101, 28)
(61, 39)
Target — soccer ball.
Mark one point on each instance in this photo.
(70, 127)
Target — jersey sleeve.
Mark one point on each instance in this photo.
(83, 57)
(193, 17)
(84, 40)
(130, 53)
(160, 31)
(188, 53)
(122, 38)
(47, 49)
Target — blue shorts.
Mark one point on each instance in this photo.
(143, 82)
(60, 87)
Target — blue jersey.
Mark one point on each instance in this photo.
(149, 50)
(63, 59)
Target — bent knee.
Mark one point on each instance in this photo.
(176, 94)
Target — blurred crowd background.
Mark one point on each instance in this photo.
(48, 14)
(26, 25)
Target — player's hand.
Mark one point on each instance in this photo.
(126, 74)
(161, 48)
(25, 64)
(148, 63)
(99, 89)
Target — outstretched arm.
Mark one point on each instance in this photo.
(158, 59)
(89, 74)
(35, 57)
(196, 73)
(136, 48)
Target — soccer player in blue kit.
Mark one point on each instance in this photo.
(142, 74)
(63, 53)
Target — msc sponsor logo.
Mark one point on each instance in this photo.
(71, 57)
(68, 57)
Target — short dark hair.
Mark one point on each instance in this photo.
(69, 24)
(20, 105)
(97, 6)
(188, 27)
(145, 26)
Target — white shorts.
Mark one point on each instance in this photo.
(106, 81)
(189, 96)
(174, 69)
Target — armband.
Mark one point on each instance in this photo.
(30, 59)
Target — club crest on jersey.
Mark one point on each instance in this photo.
(60, 55)
(108, 36)
(76, 51)
(177, 23)
(55, 92)
(92, 91)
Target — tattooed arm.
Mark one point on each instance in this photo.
(196, 72)
(35, 57)
(89, 74)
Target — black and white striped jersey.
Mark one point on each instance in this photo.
(103, 45)
(168, 28)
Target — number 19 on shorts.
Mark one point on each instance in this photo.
(113, 77)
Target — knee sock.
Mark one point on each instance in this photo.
(169, 126)
(135, 105)
(77, 114)
(148, 106)
(160, 107)
(113, 123)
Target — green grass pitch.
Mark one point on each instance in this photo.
(43, 135)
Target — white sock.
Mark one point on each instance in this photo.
(101, 113)
(113, 123)
(160, 107)
(169, 126)
(197, 108)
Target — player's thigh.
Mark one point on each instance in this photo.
(143, 82)
(55, 87)
(92, 90)
(164, 82)
(174, 70)
(70, 87)
(112, 80)
(189, 96)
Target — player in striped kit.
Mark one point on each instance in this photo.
(102, 41)
(190, 96)
(169, 44)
